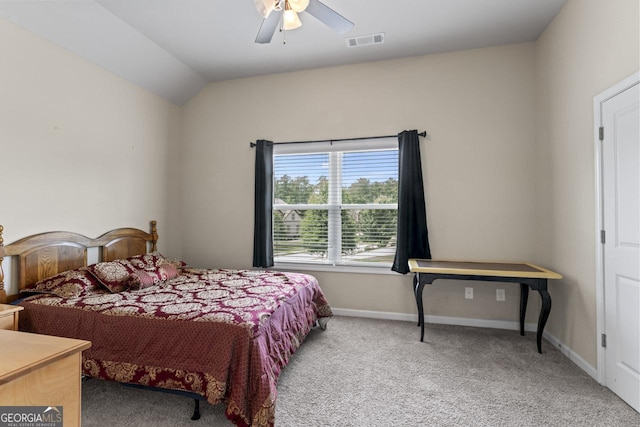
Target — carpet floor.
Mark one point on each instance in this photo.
(367, 372)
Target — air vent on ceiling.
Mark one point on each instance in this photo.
(365, 40)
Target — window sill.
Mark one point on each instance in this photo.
(333, 268)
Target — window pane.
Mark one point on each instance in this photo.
(370, 177)
(374, 232)
(300, 236)
(301, 178)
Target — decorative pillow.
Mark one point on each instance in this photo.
(114, 275)
(153, 259)
(136, 272)
(167, 271)
(68, 284)
(141, 279)
(177, 263)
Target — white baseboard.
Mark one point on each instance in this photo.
(479, 323)
(572, 355)
(386, 315)
(442, 320)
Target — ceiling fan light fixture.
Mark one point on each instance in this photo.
(299, 5)
(284, 16)
(290, 19)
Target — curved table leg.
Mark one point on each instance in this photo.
(524, 297)
(415, 294)
(419, 288)
(544, 315)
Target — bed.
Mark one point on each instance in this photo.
(219, 335)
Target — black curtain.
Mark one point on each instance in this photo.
(262, 225)
(413, 237)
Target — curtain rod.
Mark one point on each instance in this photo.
(422, 134)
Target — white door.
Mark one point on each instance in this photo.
(621, 219)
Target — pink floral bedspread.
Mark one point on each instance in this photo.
(223, 334)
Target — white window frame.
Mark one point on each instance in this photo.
(334, 205)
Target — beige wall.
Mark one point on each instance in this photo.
(590, 46)
(81, 149)
(478, 107)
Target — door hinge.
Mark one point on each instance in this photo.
(601, 133)
(603, 237)
(604, 340)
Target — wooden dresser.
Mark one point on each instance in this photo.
(41, 370)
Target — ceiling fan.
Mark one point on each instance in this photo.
(273, 10)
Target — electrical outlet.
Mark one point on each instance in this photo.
(468, 293)
(500, 295)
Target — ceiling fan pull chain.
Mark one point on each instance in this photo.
(282, 30)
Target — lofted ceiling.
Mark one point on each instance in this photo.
(173, 48)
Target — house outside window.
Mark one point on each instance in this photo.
(336, 203)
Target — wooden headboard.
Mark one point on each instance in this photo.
(46, 254)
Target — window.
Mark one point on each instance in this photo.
(336, 204)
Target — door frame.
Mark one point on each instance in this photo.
(598, 100)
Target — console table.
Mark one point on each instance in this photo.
(528, 275)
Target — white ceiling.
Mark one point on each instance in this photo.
(175, 47)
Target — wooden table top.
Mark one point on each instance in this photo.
(478, 268)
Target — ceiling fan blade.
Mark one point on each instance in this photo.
(329, 17)
(268, 27)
